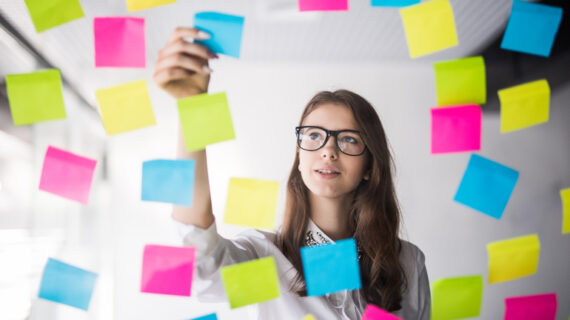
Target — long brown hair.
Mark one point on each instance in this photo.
(375, 215)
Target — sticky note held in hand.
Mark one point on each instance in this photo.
(524, 105)
(251, 203)
(460, 81)
(429, 27)
(456, 298)
(67, 284)
(67, 175)
(513, 258)
(120, 42)
(168, 270)
(331, 267)
(35, 97)
(49, 14)
(205, 120)
(456, 129)
(251, 282)
(486, 186)
(170, 181)
(125, 107)
(532, 28)
(225, 31)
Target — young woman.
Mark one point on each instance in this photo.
(340, 187)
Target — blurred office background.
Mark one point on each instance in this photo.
(286, 58)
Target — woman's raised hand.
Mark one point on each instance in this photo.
(181, 68)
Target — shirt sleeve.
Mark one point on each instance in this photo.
(212, 253)
(424, 295)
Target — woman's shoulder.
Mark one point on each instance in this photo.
(411, 254)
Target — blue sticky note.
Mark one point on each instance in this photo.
(532, 28)
(393, 3)
(170, 181)
(225, 29)
(331, 267)
(211, 316)
(67, 284)
(486, 186)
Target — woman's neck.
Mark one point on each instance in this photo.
(331, 215)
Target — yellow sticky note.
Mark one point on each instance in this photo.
(429, 27)
(251, 282)
(460, 81)
(205, 119)
(134, 5)
(524, 105)
(513, 258)
(565, 195)
(309, 317)
(125, 107)
(251, 203)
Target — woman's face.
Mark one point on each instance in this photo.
(328, 172)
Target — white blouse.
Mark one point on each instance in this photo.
(214, 252)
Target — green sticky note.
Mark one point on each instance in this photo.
(35, 97)
(460, 81)
(456, 298)
(524, 105)
(47, 14)
(251, 282)
(205, 119)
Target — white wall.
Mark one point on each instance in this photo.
(266, 101)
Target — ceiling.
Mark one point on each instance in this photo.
(274, 32)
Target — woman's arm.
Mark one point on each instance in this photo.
(182, 71)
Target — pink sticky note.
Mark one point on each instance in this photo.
(455, 129)
(66, 174)
(373, 312)
(536, 307)
(167, 270)
(323, 5)
(119, 42)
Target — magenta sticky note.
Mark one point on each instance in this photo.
(67, 175)
(456, 129)
(536, 307)
(323, 5)
(168, 270)
(119, 42)
(373, 312)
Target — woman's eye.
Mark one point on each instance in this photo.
(351, 140)
(314, 136)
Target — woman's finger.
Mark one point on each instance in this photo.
(164, 76)
(184, 61)
(186, 32)
(190, 48)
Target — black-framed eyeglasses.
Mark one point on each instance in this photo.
(312, 138)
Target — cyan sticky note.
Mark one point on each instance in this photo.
(541, 306)
(211, 316)
(331, 267)
(225, 30)
(393, 3)
(168, 270)
(67, 284)
(170, 181)
(486, 186)
(532, 28)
